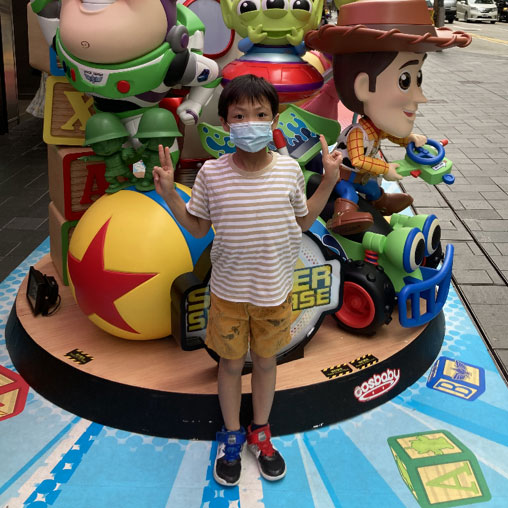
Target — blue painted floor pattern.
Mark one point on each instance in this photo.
(51, 458)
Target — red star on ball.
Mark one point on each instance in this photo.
(96, 288)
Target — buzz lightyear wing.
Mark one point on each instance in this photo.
(195, 27)
(215, 140)
(48, 15)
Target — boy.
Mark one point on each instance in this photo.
(256, 201)
(378, 49)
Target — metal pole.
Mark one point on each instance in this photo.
(439, 13)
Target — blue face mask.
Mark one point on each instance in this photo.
(251, 136)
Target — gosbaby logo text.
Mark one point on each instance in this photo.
(377, 385)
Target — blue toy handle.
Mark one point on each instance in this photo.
(422, 156)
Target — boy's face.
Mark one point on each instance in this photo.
(247, 111)
(392, 107)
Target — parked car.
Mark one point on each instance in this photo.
(450, 10)
(502, 10)
(477, 10)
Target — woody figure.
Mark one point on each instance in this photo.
(378, 48)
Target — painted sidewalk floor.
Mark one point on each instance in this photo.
(442, 446)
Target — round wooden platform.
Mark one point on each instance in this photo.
(153, 387)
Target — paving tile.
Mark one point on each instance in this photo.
(493, 225)
(486, 295)
(25, 223)
(476, 277)
(502, 357)
(501, 261)
(494, 322)
(502, 248)
(475, 204)
(494, 196)
(479, 214)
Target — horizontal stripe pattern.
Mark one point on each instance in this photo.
(257, 238)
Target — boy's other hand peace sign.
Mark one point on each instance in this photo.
(331, 161)
(164, 175)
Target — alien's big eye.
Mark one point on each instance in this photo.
(303, 5)
(247, 6)
(419, 78)
(275, 4)
(404, 81)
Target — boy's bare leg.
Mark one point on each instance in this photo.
(264, 371)
(230, 391)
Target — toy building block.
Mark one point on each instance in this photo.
(438, 469)
(60, 232)
(13, 393)
(65, 113)
(457, 378)
(74, 184)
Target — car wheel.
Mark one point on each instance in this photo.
(492, 22)
(368, 298)
(451, 20)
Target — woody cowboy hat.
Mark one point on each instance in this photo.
(384, 25)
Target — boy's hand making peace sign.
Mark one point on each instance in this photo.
(164, 175)
(331, 161)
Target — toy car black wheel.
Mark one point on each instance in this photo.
(434, 259)
(368, 298)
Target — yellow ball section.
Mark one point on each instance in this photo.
(142, 251)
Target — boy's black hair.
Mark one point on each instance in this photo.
(248, 87)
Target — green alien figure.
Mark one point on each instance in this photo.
(105, 134)
(156, 127)
(273, 32)
(273, 22)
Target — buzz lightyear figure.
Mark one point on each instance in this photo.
(128, 54)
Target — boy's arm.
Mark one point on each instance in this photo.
(315, 205)
(163, 177)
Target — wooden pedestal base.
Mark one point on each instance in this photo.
(153, 387)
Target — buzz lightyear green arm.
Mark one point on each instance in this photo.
(201, 74)
(258, 23)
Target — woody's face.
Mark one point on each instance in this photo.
(393, 105)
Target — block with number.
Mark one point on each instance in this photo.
(438, 469)
(457, 378)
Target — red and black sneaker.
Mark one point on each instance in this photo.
(270, 462)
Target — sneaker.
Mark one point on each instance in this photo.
(228, 462)
(270, 462)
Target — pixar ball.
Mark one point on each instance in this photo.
(124, 254)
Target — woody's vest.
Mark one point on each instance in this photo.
(370, 149)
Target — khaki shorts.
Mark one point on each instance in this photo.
(232, 324)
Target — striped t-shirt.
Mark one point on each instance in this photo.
(257, 238)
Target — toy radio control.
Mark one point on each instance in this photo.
(42, 293)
